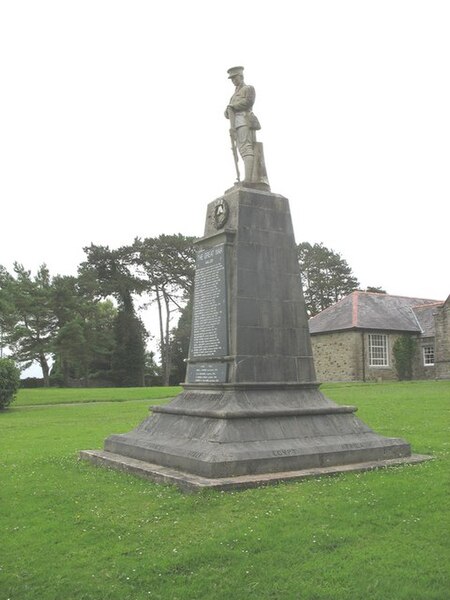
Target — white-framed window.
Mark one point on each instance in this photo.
(378, 350)
(428, 356)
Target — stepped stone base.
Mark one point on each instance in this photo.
(187, 482)
(229, 431)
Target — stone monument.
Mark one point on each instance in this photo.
(251, 411)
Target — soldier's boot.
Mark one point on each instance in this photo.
(248, 165)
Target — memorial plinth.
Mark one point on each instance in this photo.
(251, 410)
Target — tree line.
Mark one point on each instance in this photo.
(88, 326)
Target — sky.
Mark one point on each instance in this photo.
(112, 126)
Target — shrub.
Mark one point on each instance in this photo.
(404, 350)
(9, 381)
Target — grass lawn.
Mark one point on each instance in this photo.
(71, 531)
(39, 396)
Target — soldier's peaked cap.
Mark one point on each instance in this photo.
(235, 71)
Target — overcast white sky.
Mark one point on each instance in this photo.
(111, 126)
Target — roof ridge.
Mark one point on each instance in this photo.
(434, 303)
(427, 300)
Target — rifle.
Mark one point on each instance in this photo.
(233, 141)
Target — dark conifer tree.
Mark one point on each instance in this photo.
(326, 276)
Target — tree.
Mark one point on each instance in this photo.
(44, 317)
(100, 339)
(29, 322)
(163, 268)
(85, 337)
(128, 358)
(111, 273)
(69, 343)
(70, 348)
(166, 265)
(6, 306)
(179, 345)
(375, 290)
(152, 370)
(326, 276)
(84, 345)
(9, 382)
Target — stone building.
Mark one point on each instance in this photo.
(353, 340)
(442, 340)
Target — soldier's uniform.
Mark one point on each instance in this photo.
(242, 103)
(243, 121)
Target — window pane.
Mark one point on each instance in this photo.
(428, 355)
(378, 350)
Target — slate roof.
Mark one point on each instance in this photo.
(425, 316)
(368, 310)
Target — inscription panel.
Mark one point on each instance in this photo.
(283, 452)
(209, 324)
(213, 372)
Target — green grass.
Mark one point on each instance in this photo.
(38, 396)
(75, 532)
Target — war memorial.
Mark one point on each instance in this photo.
(251, 411)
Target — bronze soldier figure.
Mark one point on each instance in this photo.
(243, 127)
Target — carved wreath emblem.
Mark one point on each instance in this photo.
(221, 212)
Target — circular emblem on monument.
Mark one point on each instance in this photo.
(221, 212)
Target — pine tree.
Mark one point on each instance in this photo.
(326, 276)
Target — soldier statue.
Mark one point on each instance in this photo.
(243, 127)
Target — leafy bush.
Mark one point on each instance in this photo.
(9, 381)
(404, 350)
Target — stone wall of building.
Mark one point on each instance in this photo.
(442, 341)
(420, 370)
(338, 356)
(387, 373)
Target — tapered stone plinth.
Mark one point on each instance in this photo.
(251, 404)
